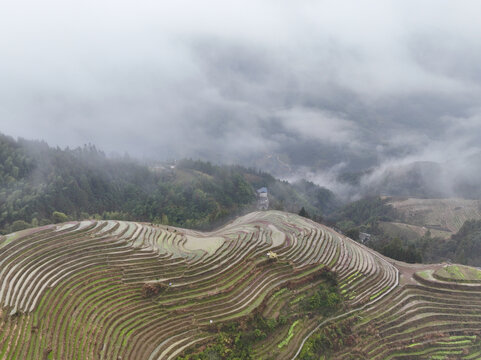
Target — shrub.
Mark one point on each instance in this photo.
(151, 289)
(59, 217)
(19, 225)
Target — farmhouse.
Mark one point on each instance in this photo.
(363, 237)
(262, 199)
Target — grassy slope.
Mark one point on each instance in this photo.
(408, 231)
(443, 216)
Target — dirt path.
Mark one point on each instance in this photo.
(407, 271)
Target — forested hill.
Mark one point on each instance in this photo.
(40, 184)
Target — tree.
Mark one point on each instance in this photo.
(19, 225)
(353, 233)
(165, 220)
(304, 213)
(59, 217)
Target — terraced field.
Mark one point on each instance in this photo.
(442, 216)
(411, 232)
(431, 316)
(124, 290)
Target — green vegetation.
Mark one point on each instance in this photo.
(40, 185)
(326, 300)
(464, 247)
(138, 291)
(328, 340)
(374, 296)
(458, 273)
(235, 340)
(59, 217)
(365, 215)
(274, 329)
(290, 334)
(375, 215)
(396, 249)
(304, 213)
(124, 290)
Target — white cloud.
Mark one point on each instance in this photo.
(319, 125)
(388, 79)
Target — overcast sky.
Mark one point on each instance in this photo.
(341, 82)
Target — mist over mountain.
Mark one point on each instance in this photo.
(238, 180)
(456, 178)
(422, 179)
(40, 184)
(311, 89)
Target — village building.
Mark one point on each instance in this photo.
(262, 199)
(364, 237)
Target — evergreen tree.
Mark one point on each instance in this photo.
(304, 213)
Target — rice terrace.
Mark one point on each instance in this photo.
(240, 180)
(292, 287)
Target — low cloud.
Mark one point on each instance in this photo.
(329, 87)
(320, 125)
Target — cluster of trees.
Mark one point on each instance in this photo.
(325, 300)
(234, 340)
(39, 182)
(463, 247)
(41, 185)
(364, 216)
(395, 248)
(328, 339)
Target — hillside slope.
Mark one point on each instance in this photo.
(37, 180)
(125, 290)
(442, 217)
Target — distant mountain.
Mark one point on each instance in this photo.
(419, 179)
